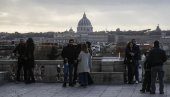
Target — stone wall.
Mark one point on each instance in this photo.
(102, 72)
(167, 71)
(107, 77)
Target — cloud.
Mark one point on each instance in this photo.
(63, 14)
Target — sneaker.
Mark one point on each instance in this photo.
(74, 83)
(130, 82)
(71, 85)
(64, 85)
(84, 86)
(147, 90)
(32, 81)
(137, 82)
(17, 82)
(161, 92)
(152, 92)
(142, 91)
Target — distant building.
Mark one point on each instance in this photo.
(84, 25)
(84, 33)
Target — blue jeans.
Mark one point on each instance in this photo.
(68, 71)
(136, 72)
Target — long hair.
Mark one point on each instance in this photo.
(89, 47)
(88, 44)
(30, 44)
(128, 45)
(84, 48)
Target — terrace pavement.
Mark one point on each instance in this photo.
(56, 90)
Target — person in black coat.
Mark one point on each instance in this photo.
(137, 57)
(30, 61)
(129, 60)
(69, 56)
(147, 76)
(157, 57)
(20, 52)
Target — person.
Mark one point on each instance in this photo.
(90, 80)
(69, 56)
(137, 57)
(78, 49)
(58, 72)
(84, 65)
(30, 61)
(157, 57)
(20, 52)
(129, 60)
(147, 75)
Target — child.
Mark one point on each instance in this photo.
(66, 71)
(147, 76)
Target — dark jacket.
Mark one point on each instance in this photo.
(157, 57)
(137, 52)
(21, 51)
(129, 59)
(147, 65)
(30, 55)
(69, 52)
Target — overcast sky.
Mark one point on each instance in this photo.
(59, 15)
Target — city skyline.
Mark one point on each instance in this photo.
(60, 15)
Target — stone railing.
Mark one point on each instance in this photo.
(44, 71)
(167, 71)
(103, 71)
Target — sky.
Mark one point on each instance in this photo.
(60, 15)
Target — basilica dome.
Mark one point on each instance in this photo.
(84, 25)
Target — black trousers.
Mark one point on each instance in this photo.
(136, 72)
(29, 75)
(146, 81)
(20, 66)
(130, 72)
(90, 80)
(83, 78)
(75, 73)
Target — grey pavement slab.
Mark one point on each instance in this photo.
(56, 90)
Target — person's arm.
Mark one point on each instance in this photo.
(79, 57)
(90, 62)
(164, 57)
(146, 63)
(16, 50)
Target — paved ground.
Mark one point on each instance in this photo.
(56, 90)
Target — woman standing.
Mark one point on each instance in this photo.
(30, 60)
(90, 80)
(130, 61)
(84, 65)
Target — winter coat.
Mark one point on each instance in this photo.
(157, 57)
(69, 52)
(84, 62)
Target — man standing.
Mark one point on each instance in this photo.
(137, 56)
(69, 56)
(20, 51)
(156, 58)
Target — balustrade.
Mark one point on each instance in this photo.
(103, 72)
